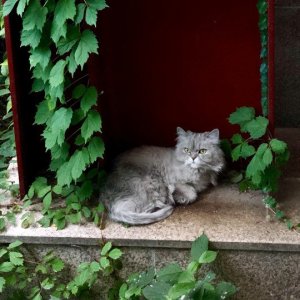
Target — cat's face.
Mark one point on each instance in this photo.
(199, 150)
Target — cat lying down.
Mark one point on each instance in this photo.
(148, 182)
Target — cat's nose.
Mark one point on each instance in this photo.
(194, 156)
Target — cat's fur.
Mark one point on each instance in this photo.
(148, 182)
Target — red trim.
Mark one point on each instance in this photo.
(14, 96)
(271, 62)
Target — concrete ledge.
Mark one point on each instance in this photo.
(232, 221)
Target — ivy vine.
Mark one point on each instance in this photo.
(59, 38)
(262, 7)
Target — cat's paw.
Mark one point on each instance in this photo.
(184, 194)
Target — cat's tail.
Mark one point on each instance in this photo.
(135, 218)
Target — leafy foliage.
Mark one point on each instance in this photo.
(32, 278)
(59, 45)
(173, 282)
(264, 156)
(265, 159)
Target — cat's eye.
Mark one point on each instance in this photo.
(202, 151)
(186, 150)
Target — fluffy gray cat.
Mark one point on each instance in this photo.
(148, 182)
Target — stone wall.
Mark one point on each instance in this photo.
(287, 63)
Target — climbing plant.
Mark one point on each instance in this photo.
(262, 6)
(59, 37)
(263, 155)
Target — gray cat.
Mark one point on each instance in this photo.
(148, 182)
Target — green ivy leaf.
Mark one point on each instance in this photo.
(237, 139)
(180, 289)
(43, 113)
(74, 218)
(64, 174)
(279, 214)
(236, 153)
(58, 31)
(89, 99)
(278, 146)
(156, 291)
(242, 115)
(96, 148)
(91, 124)
(66, 44)
(87, 44)
(115, 253)
(255, 166)
(60, 223)
(64, 10)
(45, 221)
(47, 284)
(80, 10)
(193, 267)
(40, 55)
(47, 201)
(97, 4)
(57, 73)
(106, 248)
(16, 258)
(14, 245)
(2, 284)
(8, 6)
(207, 257)
(247, 150)
(104, 262)
(199, 246)
(79, 162)
(257, 127)
(186, 276)
(91, 16)
(3, 252)
(95, 267)
(225, 289)
(57, 265)
(57, 189)
(72, 64)
(31, 38)
(270, 202)
(43, 191)
(34, 16)
(38, 296)
(170, 273)
(267, 157)
(6, 267)
(21, 7)
(58, 124)
(261, 149)
(86, 212)
(2, 224)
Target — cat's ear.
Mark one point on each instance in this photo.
(214, 135)
(180, 131)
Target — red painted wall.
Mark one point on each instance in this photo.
(162, 64)
(175, 63)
